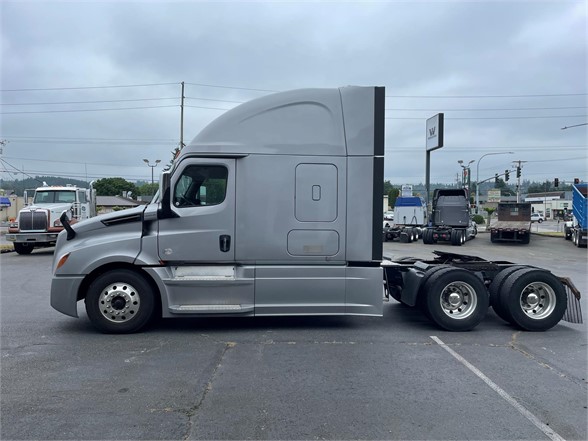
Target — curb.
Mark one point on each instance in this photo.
(6, 248)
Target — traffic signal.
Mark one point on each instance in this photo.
(556, 182)
(576, 180)
(496, 178)
(506, 175)
(518, 172)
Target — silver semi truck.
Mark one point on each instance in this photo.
(275, 209)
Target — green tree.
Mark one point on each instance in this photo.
(147, 189)
(114, 187)
(392, 196)
(489, 210)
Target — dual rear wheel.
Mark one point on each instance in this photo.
(457, 300)
(453, 298)
(529, 298)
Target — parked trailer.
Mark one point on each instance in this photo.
(409, 219)
(513, 224)
(275, 209)
(451, 220)
(576, 230)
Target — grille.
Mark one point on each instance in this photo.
(33, 221)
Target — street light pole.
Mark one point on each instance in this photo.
(465, 176)
(157, 161)
(478, 177)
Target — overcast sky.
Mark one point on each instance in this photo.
(509, 75)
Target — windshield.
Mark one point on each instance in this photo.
(54, 197)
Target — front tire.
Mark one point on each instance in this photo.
(120, 302)
(23, 248)
(455, 299)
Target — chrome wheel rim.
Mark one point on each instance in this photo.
(458, 300)
(119, 302)
(538, 300)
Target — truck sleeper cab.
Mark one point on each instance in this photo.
(275, 209)
(264, 213)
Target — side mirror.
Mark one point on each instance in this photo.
(165, 210)
(164, 182)
(65, 222)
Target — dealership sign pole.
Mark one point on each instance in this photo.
(434, 138)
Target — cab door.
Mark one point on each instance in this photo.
(201, 225)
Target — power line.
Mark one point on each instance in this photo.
(502, 117)
(209, 108)
(17, 170)
(88, 87)
(117, 143)
(577, 125)
(87, 139)
(231, 87)
(273, 90)
(117, 101)
(85, 110)
(86, 102)
(212, 99)
(487, 96)
(487, 110)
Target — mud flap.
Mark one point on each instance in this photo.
(573, 312)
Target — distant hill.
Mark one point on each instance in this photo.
(19, 186)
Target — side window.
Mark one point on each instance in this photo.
(201, 185)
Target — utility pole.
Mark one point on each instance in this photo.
(519, 167)
(182, 119)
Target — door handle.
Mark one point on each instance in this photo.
(224, 243)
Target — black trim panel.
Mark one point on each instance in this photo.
(123, 220)
(379, 120)
(378, 213)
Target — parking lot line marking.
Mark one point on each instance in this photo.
(526, 413)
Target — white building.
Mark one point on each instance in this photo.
(553, 205)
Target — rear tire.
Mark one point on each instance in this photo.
(496, 286)
(428, 236)
(413, 235)
(23, 248)
(421, 302)
(120, 302)
(455, 299)
(534, 299)
(457, 237)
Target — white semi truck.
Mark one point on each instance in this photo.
(38, 224)
(410, 216)
(275, 208)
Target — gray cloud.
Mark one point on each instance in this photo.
(415, 49)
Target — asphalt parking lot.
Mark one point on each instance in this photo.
(394, 377)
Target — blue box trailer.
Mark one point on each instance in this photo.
(576, 229)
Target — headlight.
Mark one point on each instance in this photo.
(57, 223)
(13, 225)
